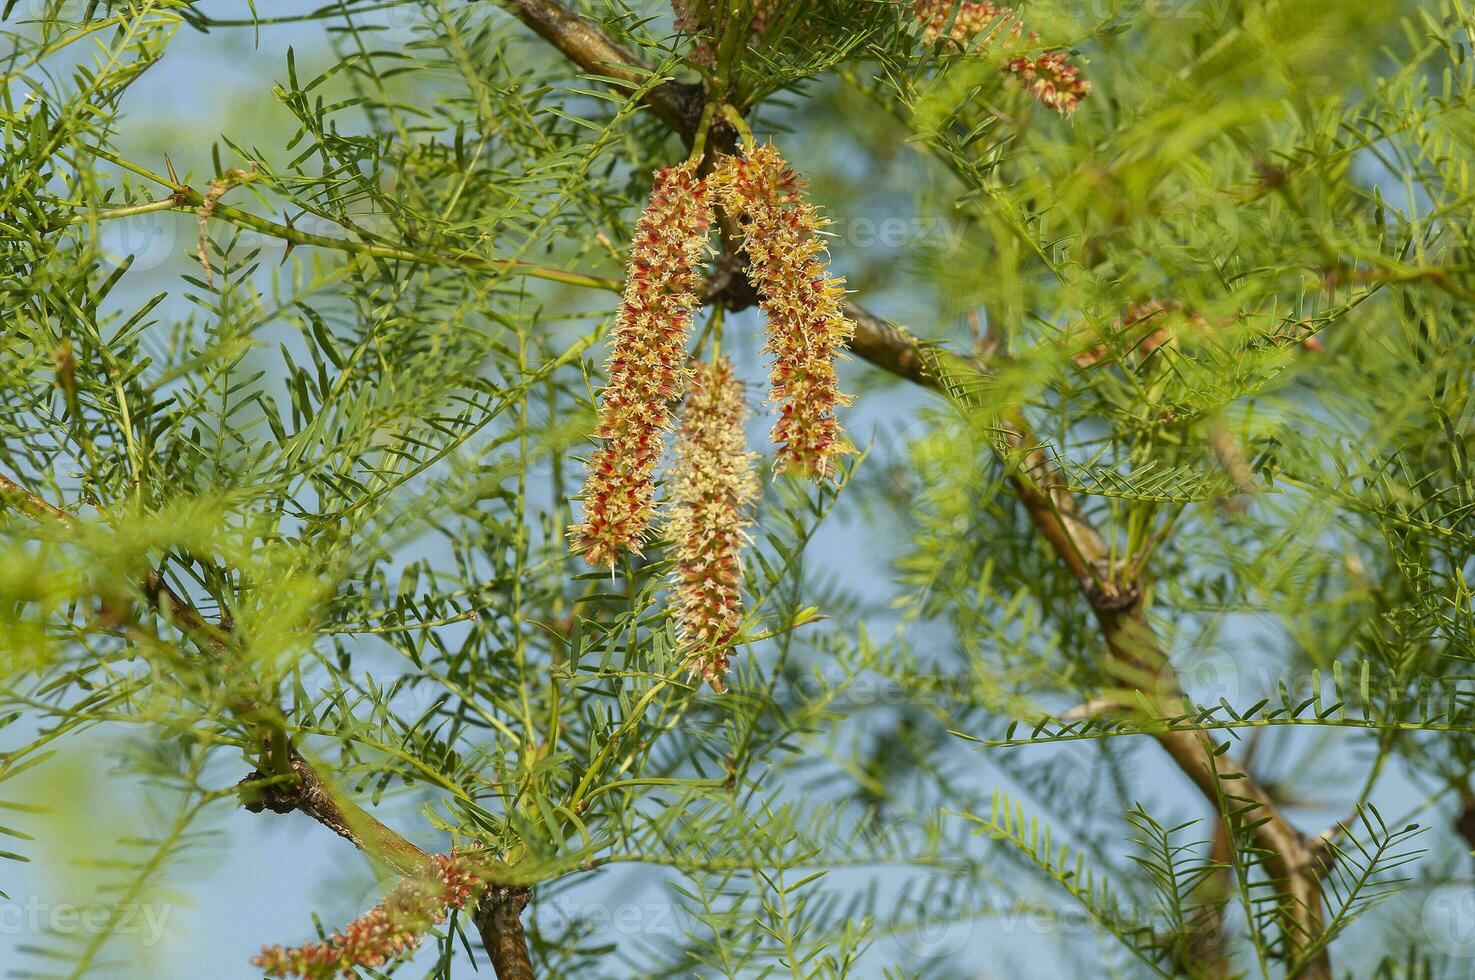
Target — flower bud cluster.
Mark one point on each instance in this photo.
(1052, 80)
(1049, 77)
(972, 19)
(389, 930)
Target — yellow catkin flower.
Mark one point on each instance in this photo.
(807, 326)
(712, 487)
(647, 366)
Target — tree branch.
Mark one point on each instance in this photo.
(188, 200)
(160, 596)
(677, 105)
(892, 348)
(499, 920)
(305, 791)
(30, 504)
(1133, 644)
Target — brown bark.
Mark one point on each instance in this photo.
(1134, 647)
(678, 106)
(499, 918)
(305, 791)
(299, 786)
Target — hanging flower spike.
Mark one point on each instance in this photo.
(647, 366)
(1049, 77)
(388, 930)
(807, 326)
(712, 489)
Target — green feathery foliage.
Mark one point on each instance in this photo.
(1137, 638)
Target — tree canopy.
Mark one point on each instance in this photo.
(912, 483)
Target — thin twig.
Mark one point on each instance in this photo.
(29, 503)
(187, 199)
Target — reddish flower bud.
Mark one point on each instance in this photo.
(1049, 77)
(388, 930)
(972, 19)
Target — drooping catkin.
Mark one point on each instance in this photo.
(388, 930)
(804, 307)
(712, 486)
(647, 366)
(1049, 77)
